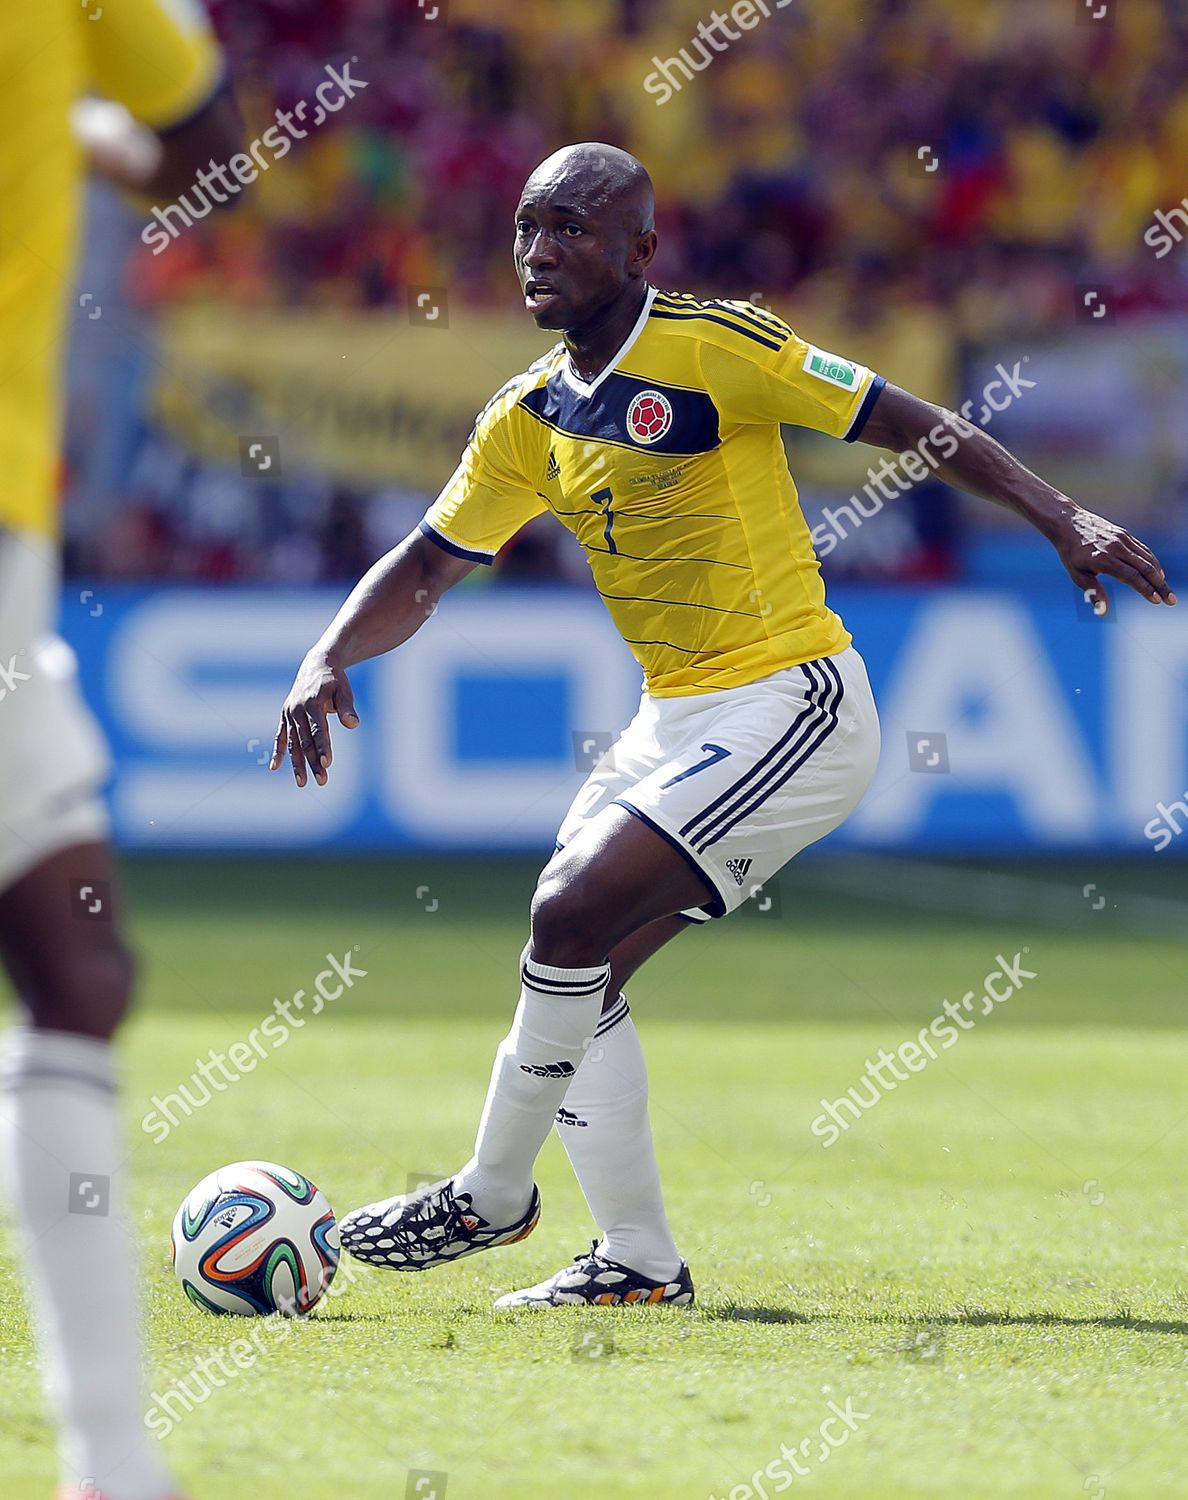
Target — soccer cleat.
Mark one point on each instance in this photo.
(427, 1228)
(594, 1280)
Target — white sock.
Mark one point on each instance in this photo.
(605, 1130)
(59, 1157)
(535, 1065)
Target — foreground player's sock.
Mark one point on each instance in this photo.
(59, 1157)
(605, 1130)
(535, 1065)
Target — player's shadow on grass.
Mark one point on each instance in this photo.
(736, 1314)
(983, 1319)
(979, 1319)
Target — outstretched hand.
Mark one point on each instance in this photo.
(1091, 548)
(319, 689)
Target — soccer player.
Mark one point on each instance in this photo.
(652, 430)
(59, 931)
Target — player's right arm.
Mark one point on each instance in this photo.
(390, 603)
(486, 501)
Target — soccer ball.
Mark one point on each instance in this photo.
(255, 1238)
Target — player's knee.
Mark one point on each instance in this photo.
(89, 991)
(565, 930)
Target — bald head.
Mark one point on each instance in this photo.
(604, 177)
(585, 235)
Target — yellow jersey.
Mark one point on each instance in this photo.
(156, 57)
(670, 469)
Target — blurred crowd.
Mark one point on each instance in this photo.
(981, 159)
(790, 163)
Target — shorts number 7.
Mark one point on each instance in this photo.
(716, 753)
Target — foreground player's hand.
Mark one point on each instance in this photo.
(1091, 548)
(319, 690)
(117, 148)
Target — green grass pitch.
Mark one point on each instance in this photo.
(988, 1266)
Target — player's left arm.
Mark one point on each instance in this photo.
(1089, 546)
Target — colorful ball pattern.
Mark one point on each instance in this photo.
(255, 1238)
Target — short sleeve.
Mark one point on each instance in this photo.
(488, 497)
(787, 380)
(158, 58)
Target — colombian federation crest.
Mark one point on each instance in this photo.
(649, 417)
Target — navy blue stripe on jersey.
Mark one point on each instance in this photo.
(691, 316)
(709, 817)
(766, 323)
(710, 562)
(862, 415)
(810, 740)
(602, 415)
(672, 645)
(747, 614)
(469, 553)
(715, 906)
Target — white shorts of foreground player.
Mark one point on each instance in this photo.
(54, 757)
(998, 986)
(740, 780)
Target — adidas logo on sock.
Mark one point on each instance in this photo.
(551, 1070)
(738, 868)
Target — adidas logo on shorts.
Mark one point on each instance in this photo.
(738, 868)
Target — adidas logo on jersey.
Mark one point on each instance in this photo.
(554, 469)
(551, 1070)
(738, 868)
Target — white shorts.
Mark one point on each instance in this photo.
(740, 780)
(52, 754)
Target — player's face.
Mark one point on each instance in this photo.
(573, 256)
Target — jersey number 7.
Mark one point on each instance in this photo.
(606, 497)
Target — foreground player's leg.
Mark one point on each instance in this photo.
(60, 1157)
(618, 876)
(606, 1133)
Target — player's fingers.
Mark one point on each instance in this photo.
(296, 759)
(1158, 590)
(278, 746)
(320, 734)
(301, 721)
(1091, 589)
(344, 703)
(1128, 568)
